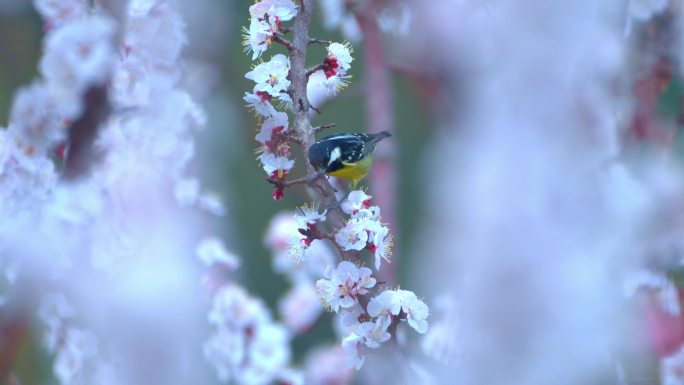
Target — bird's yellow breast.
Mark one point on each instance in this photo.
(355, 171)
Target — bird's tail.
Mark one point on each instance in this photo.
(375, 138)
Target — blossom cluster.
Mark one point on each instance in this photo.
(265, 20)
(105, 224)
(341, 290)
(300, 307)
(248, 347)
(271, 81)
(364, 230)
(346, 288)
(441, 341)
(74, 348)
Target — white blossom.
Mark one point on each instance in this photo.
(309, 216)
(356, 200)
(233, 307)
(54, 310)
(258, 37)
(34, 123)
(395, 18)
(78, 347)
(137, 8)
(78, 55)
(351, 344)
(297, 248)
(276, 124)
(247, 346)
(343, 285)
(277, 10)
(352, 236)
(211, 251)
(269, 350)
(276, 166)
(187, 191)
(211, 202)
(300, 307)
(260, 103)
(156, 37)
(58, 12)
(301, 262)
(381, 245)
(225, 350)
(664, 289)
(370, 334)
(271, 76)
(335, 15)
(384, 305)
(327, 366)
(340, 55)
(416, 310)
(334, 83)
(280, 230)
(440, 342)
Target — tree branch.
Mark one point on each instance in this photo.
(13, 329)
(311, 70)
(83, 131)
(308, 180)
(319, 41)
(301, 124)
(81, 155)
(278, 38)
(379, 118)
(322, 127)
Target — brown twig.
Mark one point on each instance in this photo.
(311, 70)
(322, 127)
(319, 41)
(294, 139)
(308, 180)
(279, 38)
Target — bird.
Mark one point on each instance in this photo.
(345, 155)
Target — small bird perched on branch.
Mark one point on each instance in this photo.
(345, 155)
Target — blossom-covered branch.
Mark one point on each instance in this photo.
(369, 311)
